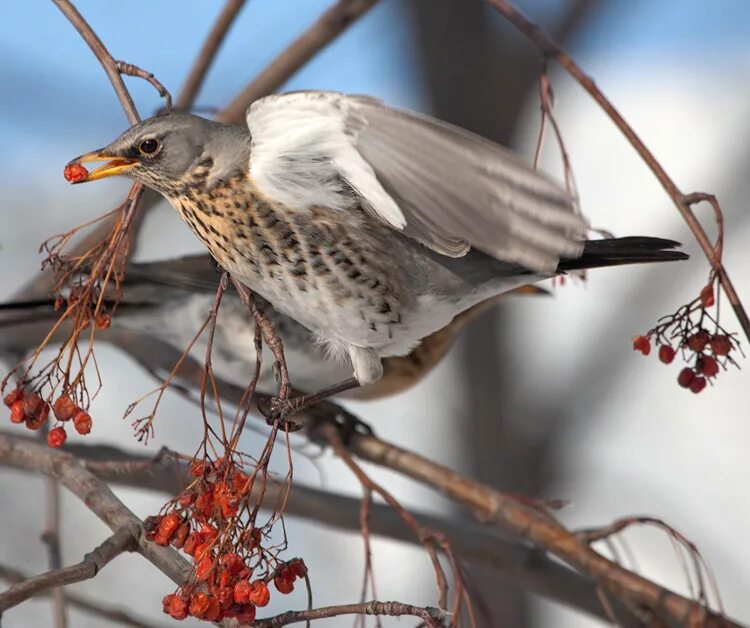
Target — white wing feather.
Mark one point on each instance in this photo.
(445, 187)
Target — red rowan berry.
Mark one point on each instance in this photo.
(208, 532)
(167, 601)
(229, 504)
(707, 296)
(32, 404)
(103, 320)
(241, 591)
(82, 422)
(192, 543)
(707, 366)
(74, 173)
(697, 342)
(225, 597)
(178, 540)
(213, 612)
(186, 498)
(64, 408)
(178, 608)
(225, 578)
(151, 526)
(239, 481)
(686, 377)
(642, 344)
(17, 414)
(666, 354)
(298, 568)
(34, 422)
(203, 503)
(201, 551)
(168, 525)
(204, 568)
(232, 562)
(720, 345)
(247, 615)
(698, 384)
(196, 468)
(259, 593)
(198, 605)
(14, 395)
(56, 437)
(283, 585)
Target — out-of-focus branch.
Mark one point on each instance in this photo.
(682, 201)
(325, 29)
(429, 616)
(96, 609)
(207, 54)
(123, 540)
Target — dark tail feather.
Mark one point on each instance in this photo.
(620, 251)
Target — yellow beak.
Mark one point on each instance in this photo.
(114, 165)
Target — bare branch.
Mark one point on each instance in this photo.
(207, 54)
(430, 616)
(123, 540)
(325, 29)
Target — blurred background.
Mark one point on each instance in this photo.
(541, 396)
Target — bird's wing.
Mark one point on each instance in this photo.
(196, 273)
(443, 186)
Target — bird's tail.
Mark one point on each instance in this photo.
(620, 251)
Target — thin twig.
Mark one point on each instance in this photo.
(123, 540)
(430, 616)
(682, 201)
(207, 54)
(326, 28)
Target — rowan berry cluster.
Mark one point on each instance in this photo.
(30, 408)
(204, 522)
(687, 332)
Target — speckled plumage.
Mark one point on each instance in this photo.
(371, 226)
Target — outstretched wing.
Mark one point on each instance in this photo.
(441, 185)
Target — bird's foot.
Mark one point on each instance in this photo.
(347, 424)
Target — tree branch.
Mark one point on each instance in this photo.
(430, 616)
(326, 28)
(207, 54)
(123, 540)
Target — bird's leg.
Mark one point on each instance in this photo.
(287, 407)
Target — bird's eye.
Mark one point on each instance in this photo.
(149, 146)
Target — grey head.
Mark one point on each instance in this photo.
(162, 151)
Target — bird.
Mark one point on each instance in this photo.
(165, 302)
(370, 225)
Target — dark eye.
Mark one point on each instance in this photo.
(149, 146)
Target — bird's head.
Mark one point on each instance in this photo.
(162, 152)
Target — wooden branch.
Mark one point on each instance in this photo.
(326, 28)
(207, 54)
(683, 202)
(123, 540)
(102, 54)
(516, 565)
(429, 616)
(96, 609)
(94, 493)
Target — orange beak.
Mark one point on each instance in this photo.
(113, 166)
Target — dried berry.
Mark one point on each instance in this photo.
(259, 593)
(642, 344)
(179, 538)
(56, 437)
(17, 414)
(64, 408)
(297, 568)
(686, 377)
(241, 591)
(247, 615)
(225, 597)
(103, 321)
(34, 422)
(167, 527)
(205, 565)
(74, 173)
(82, 422)
(666, 354)
(32, 404)
(698, 384)
(697, 342)
(213, 612)
(178, 608)
(198, 605)
(192, 543)
(14, 395)
(720, 345)
(232, 562)
(283, 585)
(707, 296)
(707, 366)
